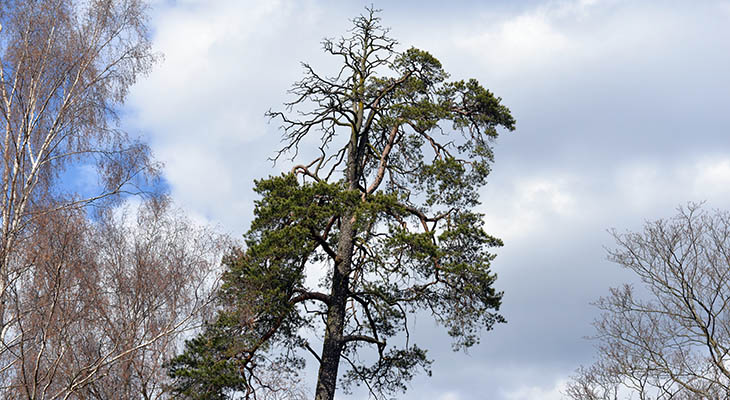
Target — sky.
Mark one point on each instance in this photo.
(622, 116)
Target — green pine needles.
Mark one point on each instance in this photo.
(384, 211)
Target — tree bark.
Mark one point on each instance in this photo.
(333, 338)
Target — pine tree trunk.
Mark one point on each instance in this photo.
(333, 339)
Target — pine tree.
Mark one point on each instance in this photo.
(386, 209)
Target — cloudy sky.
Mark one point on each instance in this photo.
(622, 115)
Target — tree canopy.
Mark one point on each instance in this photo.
(384, 211)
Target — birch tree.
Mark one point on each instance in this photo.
(107, 301)
(65, 66)
(88, 308)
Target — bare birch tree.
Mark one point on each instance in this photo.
(106, 303)
(64, 68)
(89, 308)
(671, 339)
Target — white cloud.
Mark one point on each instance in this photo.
(449, 396)
(553, 392)
(638, 184)
(713, 178)
(225, 63)
(556, 39)
(529, 205)
(517, 44)
(644, 186)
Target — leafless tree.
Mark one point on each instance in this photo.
(106, 303)
(65, 66)
(89, 307)
(671, 338)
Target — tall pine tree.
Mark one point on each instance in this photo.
(386, 210)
